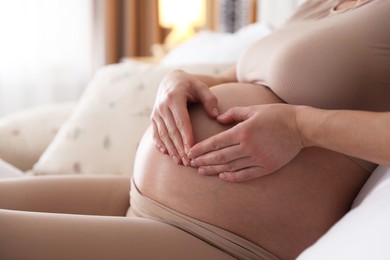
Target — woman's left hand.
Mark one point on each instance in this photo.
(265, 138)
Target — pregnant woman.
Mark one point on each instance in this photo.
(224, 198)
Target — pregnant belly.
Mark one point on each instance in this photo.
(291, 207)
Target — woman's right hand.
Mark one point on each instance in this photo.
(172, 130)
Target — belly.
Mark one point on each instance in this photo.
(291, 207)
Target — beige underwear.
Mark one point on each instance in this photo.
(228, 242)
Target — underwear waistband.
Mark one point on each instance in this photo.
(141, 206)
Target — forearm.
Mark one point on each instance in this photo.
(356, 133)
(223, 77)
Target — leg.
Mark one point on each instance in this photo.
(67, 194)
(30, 235)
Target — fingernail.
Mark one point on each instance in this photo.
(186, 149)
(215, 111)
(222, 175)
(185, 161)
(202, 170)
(161, 149)
(193, 163)
(175, 159)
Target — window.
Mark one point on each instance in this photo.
(46, 51)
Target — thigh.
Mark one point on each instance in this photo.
(93, 195)
(30, 235)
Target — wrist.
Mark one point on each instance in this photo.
(303, 115)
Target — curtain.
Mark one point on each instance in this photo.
(235, 14)
(131, 28)
(46, 51)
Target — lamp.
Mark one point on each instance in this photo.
(182, 17)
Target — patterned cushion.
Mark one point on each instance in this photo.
(26, 134)
(102, 134)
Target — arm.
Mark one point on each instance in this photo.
(267, 137)
(224, 77)
(365, 135)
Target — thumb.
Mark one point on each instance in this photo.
(208, 100)
(233, 115)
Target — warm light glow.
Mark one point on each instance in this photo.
(182, 16)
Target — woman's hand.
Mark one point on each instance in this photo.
(265, 139)
(172, 130)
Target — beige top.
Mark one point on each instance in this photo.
(327, 58)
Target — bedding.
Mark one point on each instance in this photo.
(208, 47)
(9, 171)
(364, 232)
(26, 134)
(102, 134)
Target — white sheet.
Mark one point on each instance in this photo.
(8, 171)
(363, 233)
(215, 48)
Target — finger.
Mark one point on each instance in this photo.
(207, 99)
(244, 175)
(233, 166)
(219, 157)
(176, 138)
(157, 141)
(216, 142)
(166, 139)
(183, 124)
(234, 115)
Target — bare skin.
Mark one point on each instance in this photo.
(292, 207)
(346, 5)
(83, 217)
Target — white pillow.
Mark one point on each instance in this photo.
(363, 233)
(102, 134)
(26, 134)
(213, 47)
